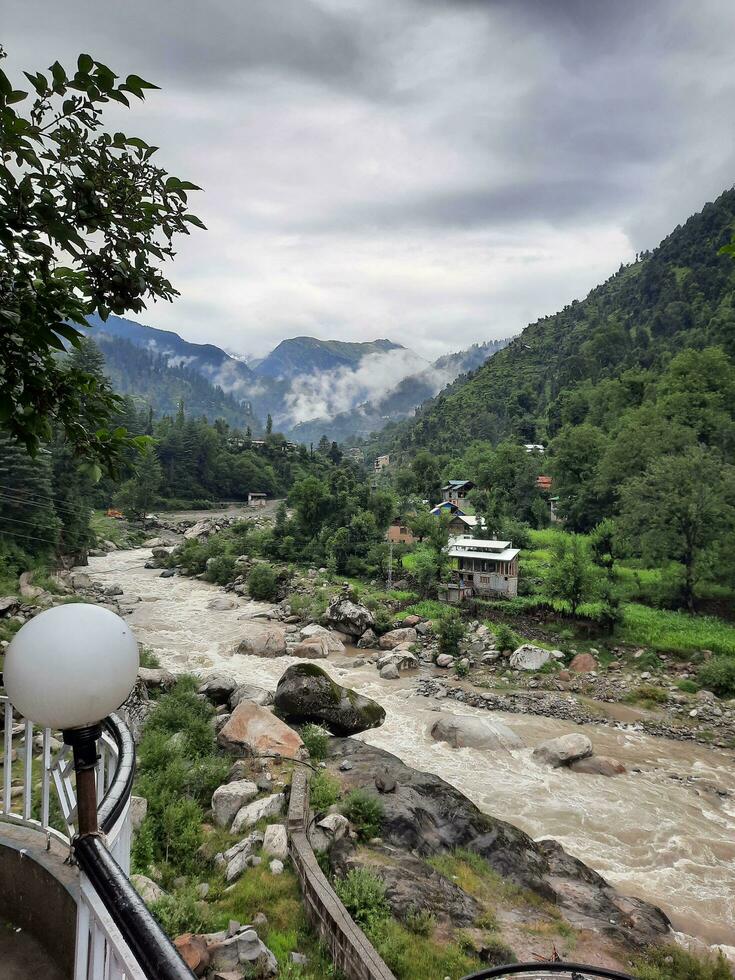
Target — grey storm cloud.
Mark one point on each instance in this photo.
(435, 171)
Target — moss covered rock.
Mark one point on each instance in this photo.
(306, 692)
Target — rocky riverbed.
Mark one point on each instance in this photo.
(662, 831)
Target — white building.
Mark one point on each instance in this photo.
(484, 566)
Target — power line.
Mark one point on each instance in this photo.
(17, 520)
(32, 537)
(40, 502)
(54, 498)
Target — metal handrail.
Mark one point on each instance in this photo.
(147, 941)
(576, 971)
(121, 784)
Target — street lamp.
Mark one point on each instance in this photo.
(67, 669)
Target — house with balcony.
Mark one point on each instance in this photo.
(481, 567)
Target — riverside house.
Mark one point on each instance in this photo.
(481, 567)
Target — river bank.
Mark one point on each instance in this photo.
(652, 832)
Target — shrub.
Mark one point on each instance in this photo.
(647, 694)
(324, 790)
(420, 921)
(382, 620)
(316, 740)
(262, 583)
(689, 687)
(462, 668)
(674, 963)
(497, 953)
(182, 912)
(363, 895)
(220, 569)
(718, 676)
(450, 631)
(505, 637)
(179, 769)
(365, 812)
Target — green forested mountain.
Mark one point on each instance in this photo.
(678, 296)
(152, 380)
(305, 355)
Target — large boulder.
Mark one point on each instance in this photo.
(253, 730)
(426, 816)
(275, 841)
(231, 797)
(313, 648)
(348, 617)
(194, 952)
(388, 641)
(410, 883)
(469, 731)
(529, 657)
(334, 643)
(563, 750)
(243, 955)
(262, 640)
(305, 692)
(400, 659)
(9, 604)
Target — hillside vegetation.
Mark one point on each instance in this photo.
(561, 368)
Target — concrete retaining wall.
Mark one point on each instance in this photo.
(351, 950)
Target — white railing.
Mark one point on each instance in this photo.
(105, 955)
(38, 792)
(37, 767)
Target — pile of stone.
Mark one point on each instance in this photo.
(232, 954)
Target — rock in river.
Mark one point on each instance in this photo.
(426, 816)
(348, 617)
(305, 692)
(262, 640)
(564, 749)
(461, 731)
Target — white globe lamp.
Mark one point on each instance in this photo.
(67, 669)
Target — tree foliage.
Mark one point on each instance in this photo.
(86, 220)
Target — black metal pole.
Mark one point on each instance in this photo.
(83, 741)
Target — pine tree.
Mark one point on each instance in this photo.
(27, 515)
(139, 495)
(269, 425)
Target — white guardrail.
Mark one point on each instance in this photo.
(38, 792)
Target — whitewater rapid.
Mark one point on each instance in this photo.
(660, 831)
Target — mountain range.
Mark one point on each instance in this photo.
(310, 387)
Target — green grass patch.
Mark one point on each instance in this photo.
(324, 791)
(675, 632)
(674, 963)
(426, 609)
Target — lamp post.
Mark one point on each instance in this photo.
(67, 669)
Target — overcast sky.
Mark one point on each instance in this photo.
(433, 171)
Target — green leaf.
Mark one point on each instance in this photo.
(85, 63)
(135, 83)
(5, 87)
(58, 74)
(92, 471)
(16, 96)
(193, 220)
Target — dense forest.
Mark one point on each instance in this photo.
(151, 380)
